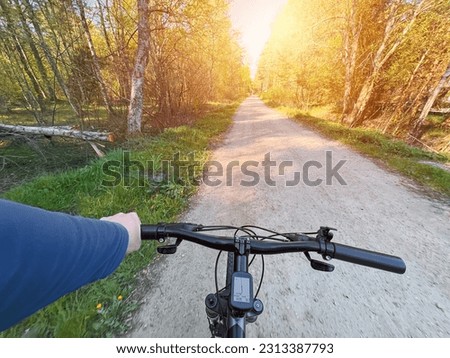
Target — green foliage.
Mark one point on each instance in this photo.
(300, 65)
(374, 61)
(81, 81)
(196, 60)
(80, 191)
(195, 57)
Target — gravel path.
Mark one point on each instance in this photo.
(376, 210)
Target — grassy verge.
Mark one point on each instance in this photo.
(59, 113)
(101, 309)
(24, 160)
(395, 153)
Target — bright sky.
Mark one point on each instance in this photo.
(253, 19)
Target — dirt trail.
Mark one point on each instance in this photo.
(375, 210)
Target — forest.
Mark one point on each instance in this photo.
(153, 64)
(373, 63)
(137, 63)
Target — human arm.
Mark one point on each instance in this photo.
(45, 255)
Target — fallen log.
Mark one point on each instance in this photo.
(440, 110)
(58, 131)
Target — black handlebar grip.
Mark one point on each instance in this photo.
(369, 258)
(149, 232)
(163, 230)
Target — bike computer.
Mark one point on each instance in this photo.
(241, 297)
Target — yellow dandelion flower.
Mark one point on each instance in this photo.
(120, 298)
(99, 306)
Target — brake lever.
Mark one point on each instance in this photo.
(172, 248)
(169, 249)
(319, 265)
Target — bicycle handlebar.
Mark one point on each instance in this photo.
(369, 258)
(189, 232)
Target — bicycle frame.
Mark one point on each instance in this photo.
(236, 318)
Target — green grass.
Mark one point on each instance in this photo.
(23, 160)
(394, 153)
(59, 113)
(81, 192)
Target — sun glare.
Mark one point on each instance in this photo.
(253, 19)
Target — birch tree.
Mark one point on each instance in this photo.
(95, 61)
(49, 54)
(391, 40)
(445, 79)
(135, 109)
(50, 90)
(352, 31)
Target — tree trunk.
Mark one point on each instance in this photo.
(350, 56)
(15, 70)
(118, 54)
(356, 117)
(49, 55)
(58, 131)
(417, 129)
(37, 57)
(383, 54)
(414, 106)
(123, 69)
(135, 109)
(404, 97)
(97, 71)
(20, 51)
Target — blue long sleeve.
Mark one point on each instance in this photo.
(45, 255)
